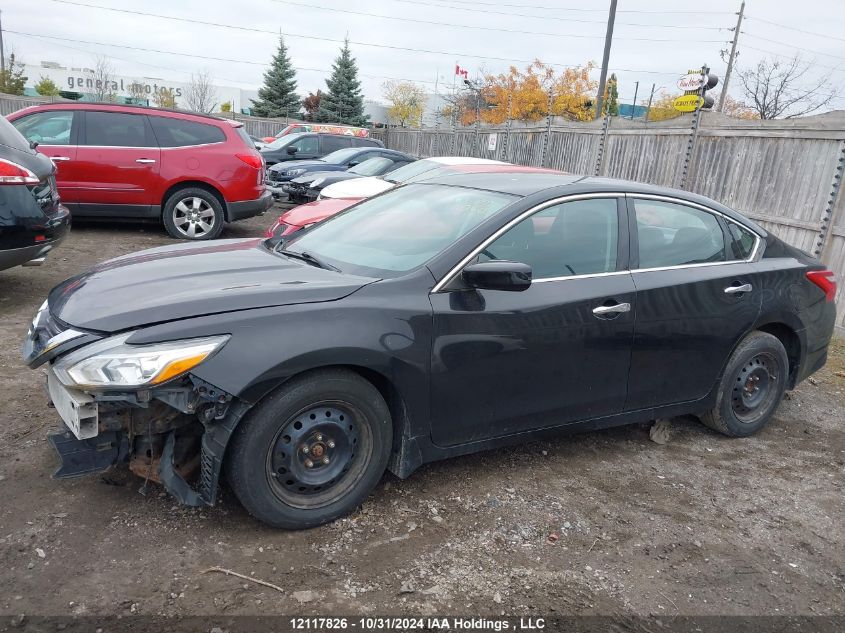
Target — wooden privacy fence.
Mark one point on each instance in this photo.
(785, 174)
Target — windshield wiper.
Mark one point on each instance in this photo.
(308, 258)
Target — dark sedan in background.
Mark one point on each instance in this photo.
(441, 318)
(32, 220)
(341, 160)
(311, 145)
(307, 188)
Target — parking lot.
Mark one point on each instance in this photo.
(601, 523)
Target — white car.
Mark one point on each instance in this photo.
(418, 170)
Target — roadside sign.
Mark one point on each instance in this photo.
(687, 103)
(690, 82)
(491, 142)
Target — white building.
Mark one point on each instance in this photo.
(82, 82)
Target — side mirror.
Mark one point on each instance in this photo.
(291, 150)
(33, 144)
(498, 275)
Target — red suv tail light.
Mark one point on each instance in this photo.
(253, 160)
(825, 280)
(13, 174)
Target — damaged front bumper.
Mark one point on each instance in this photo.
(175, 435)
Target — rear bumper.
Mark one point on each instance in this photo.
(54, 231)
(249, 208)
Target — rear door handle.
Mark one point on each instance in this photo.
(144, 160)
(618, 308)
(732, 290)
(59, 158)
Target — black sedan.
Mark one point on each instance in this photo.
(307, 188)
(32, 220)
(438, 319)
(341, 160)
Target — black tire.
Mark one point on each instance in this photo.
(751, 388)
(188, 211)
(269, 474)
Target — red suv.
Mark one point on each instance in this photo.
(192, 171)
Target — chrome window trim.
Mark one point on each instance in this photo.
(438, 287)
(687, 203)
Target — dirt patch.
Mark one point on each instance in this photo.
(601, 523)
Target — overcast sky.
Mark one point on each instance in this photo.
(654, 40)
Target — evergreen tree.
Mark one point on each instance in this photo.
(343, 102)
(611, 97)
(278, 98)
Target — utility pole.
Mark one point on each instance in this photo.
(634, 105)
(732, 58)
(2, 50)
(648, 107)
(608, 38)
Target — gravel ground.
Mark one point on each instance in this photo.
(600, 523)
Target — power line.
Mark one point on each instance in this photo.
(452, 54)
(580, 10)
(482, 28)
(555, 17)
(793, 28)
(763, 50)
(806, 50)
(181, 54)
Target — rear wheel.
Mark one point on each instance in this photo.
(751, 388)
(312, 451)
(193, 214)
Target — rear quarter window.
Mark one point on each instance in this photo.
(181, 133)
(365, 142)
(742, 241)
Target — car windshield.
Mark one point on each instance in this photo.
(396, 232)
(409, 171)
(283, 141)
(371, 167)
(340, 156)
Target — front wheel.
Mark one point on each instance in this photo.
(751, 388)
(193, 214)
(312, 451)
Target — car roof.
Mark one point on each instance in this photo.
(122, 107)
(464, 160)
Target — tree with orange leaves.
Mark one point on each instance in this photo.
(528, 90)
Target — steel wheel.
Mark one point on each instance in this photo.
(318, 455)
(755, 387)
(193, 217)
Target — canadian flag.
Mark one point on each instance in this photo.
(461, 72)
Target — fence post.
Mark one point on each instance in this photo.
(507, 138)
(605, 125)
(547, 138)
(454, 135)
(827, 217)
(693, 137)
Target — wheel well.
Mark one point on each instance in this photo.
(791, 343)
(197, 184)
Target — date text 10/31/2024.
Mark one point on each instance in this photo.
(411, 623)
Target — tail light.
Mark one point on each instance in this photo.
(825, 280)
(14, 174)
(253, 160)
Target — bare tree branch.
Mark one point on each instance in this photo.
(104, 86)
(200, 95)
(777, 89)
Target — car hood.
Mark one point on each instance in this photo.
(357, 188)
(311, 176)
(310, 165)
(316, 211)
(190, 280)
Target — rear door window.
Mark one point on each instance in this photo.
(50, 127)
(671, 234)
(172, 132)
(334, 143)
(116, 129)
(365, 142)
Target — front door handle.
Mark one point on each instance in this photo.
(732, 290)
(59, 158)
(144, 160)
(618, 308)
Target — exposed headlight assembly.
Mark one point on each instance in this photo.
(294, 172)
(114, 364)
